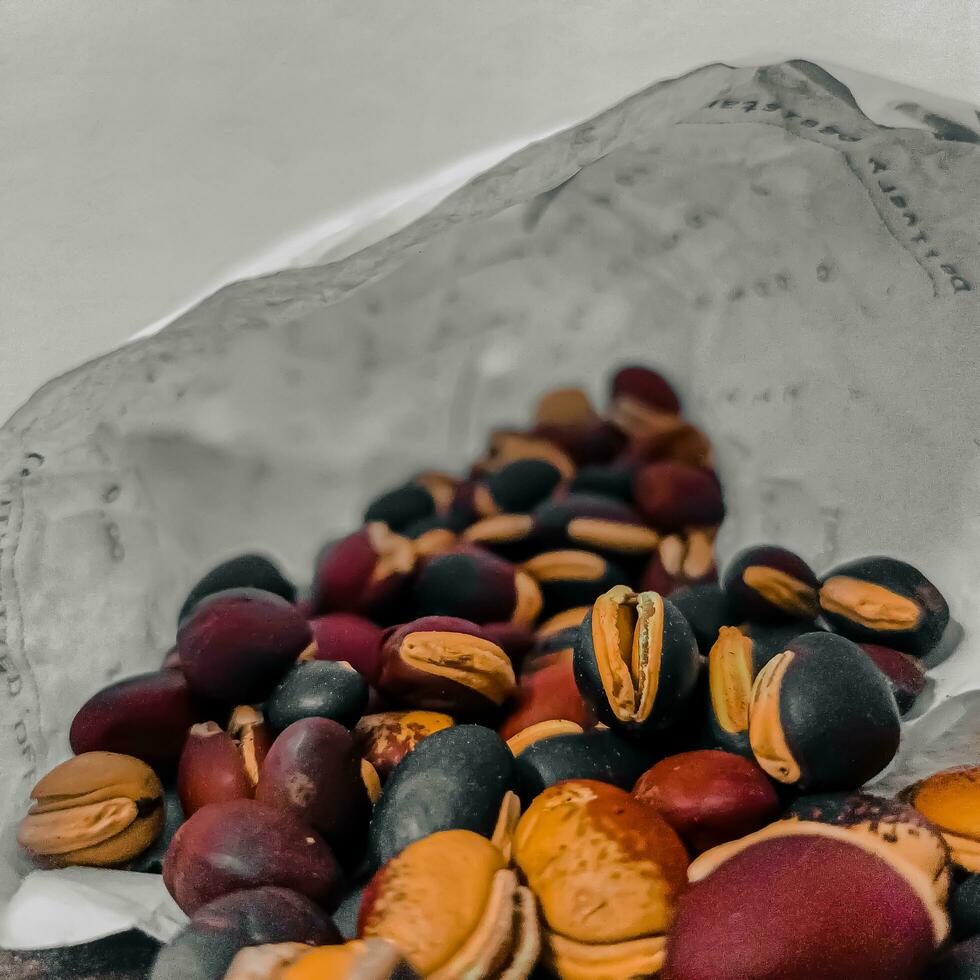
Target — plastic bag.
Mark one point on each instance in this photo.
(808, 277)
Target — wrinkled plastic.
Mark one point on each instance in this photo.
(808, 278)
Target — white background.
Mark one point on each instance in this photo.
(147, 147)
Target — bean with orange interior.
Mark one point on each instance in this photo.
(684, 558)
(886, 601)
(607, 872)
(887, 825)
(951, 800)
(572, 577)
(454, 909)
(435, 535)
(822, 716)
(99, 809)
(512, 537)
(766, 583)
(220, 764)
(636, 661)
(775, 903)
(732, 669)
(443, 663)
(598, 524)
(385, 738)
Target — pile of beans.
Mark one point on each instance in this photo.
(520, 724)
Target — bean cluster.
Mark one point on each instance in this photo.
(520, 725)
